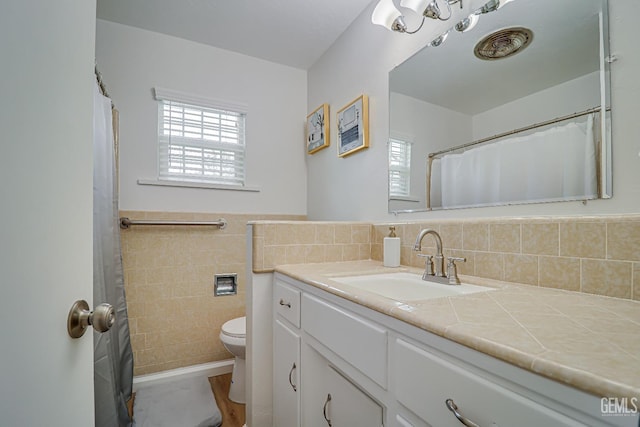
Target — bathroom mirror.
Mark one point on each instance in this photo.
(467, 132)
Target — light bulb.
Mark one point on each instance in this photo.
(468, 23)
(439, 40)
(503, 2)
(490, 6)
(418, 6)
(386, 14)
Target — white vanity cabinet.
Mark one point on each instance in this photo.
(380, 371)
(286, 361)
(334, 336)
(308, 389)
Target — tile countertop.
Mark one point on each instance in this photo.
(587, 341)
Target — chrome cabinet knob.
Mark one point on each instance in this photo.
(102, 318)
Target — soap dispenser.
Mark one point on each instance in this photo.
(391, 249)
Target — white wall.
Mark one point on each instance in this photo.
(355, 188)
(431, 128)
(570, 97)
(134, 61)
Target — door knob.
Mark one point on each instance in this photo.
(102, 318)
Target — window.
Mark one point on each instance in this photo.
(199, 141)
(399, 167)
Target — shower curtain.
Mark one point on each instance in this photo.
(554, 164)
(113, 358)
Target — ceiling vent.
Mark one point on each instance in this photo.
(503, 43)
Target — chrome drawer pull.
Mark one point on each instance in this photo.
(324, 409)
(454, 408)
(287, 304)
(290, 373)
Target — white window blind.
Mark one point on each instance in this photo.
(399, 167)
(200, 143)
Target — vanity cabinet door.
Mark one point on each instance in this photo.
(345, 405)
(286, 376)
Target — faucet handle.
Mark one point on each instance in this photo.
(452, 270)
(428, 264)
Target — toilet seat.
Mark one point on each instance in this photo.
(236, 328)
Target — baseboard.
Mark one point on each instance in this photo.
(210, 369)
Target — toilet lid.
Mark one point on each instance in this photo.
(235, 327)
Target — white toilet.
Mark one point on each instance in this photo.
(233, 336)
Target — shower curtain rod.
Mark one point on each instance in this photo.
(125, 223)
(512, 132)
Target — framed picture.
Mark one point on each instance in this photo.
(317, 129)
(353, 126)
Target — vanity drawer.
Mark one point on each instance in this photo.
(286, 302)
(358, 341)
(424, 382)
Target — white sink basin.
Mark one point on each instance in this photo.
(404, 286)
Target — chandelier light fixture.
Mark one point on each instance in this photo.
(387, 14)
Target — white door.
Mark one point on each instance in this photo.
(46, 71)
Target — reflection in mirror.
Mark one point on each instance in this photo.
(530, 126)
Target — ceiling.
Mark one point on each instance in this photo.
(289, 32)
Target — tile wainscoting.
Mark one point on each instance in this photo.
(285, 242)
(174, 317)
(598, 255)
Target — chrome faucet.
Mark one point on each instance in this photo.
(438, 257)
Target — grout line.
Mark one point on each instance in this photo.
(521, 237)
(633, 287)
(606, 240)
(581, 284)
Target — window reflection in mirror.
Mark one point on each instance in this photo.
(446, 97)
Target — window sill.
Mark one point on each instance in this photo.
(186, 184)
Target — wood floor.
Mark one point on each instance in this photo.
(233, 414)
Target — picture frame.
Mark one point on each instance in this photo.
(353, 126)
(317, 129)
